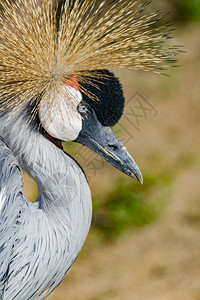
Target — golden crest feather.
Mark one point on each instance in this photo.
(43, 44)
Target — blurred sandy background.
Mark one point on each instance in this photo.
(145, 240)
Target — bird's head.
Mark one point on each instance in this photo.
(88, 121)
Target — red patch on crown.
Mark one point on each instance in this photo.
(73, 82)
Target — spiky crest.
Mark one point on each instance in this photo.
(39, 52)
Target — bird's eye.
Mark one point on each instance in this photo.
(83, 109)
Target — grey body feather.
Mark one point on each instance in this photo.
(38, 241)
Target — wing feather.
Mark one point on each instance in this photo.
(12, 202)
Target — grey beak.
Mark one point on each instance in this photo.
(102, 140)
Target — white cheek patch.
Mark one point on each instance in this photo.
(59, 117)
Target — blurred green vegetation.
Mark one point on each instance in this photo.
(180, 11)
(185, 10)
(127, 206)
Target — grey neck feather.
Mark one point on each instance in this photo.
(59, 178)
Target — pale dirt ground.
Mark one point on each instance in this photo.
(161, 261)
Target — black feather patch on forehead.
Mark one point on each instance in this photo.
(110, 106)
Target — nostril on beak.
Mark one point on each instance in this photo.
(113, 147)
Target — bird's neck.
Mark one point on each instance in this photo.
(61, 183)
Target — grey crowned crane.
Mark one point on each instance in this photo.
(55, 86)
